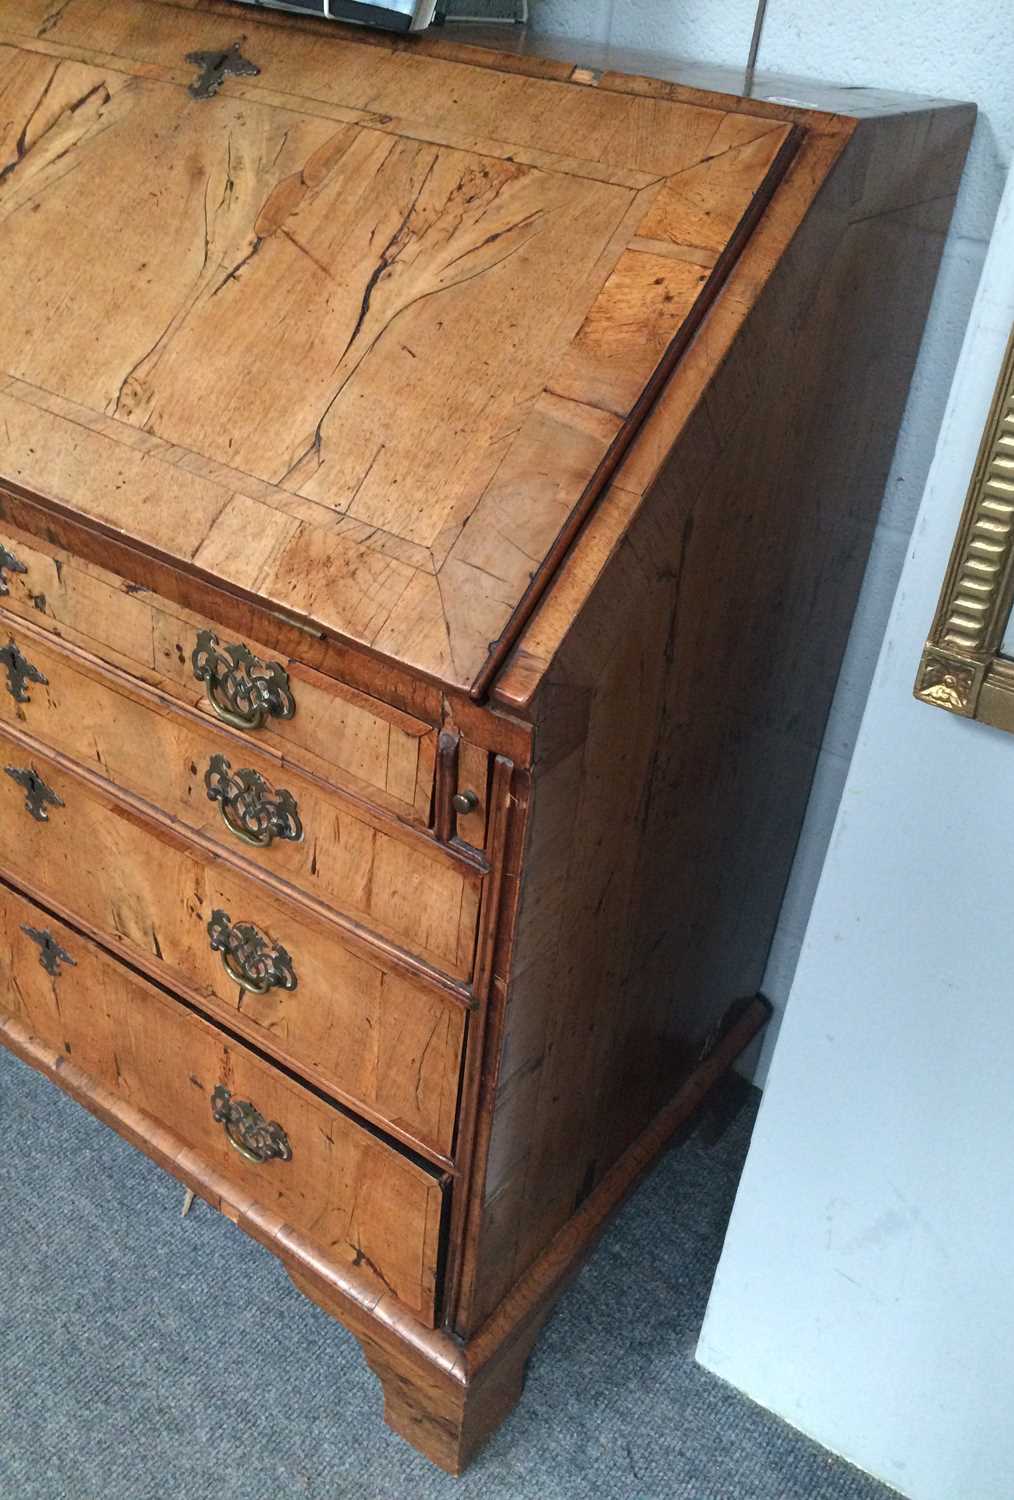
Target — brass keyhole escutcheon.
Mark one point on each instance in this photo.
(38, 796)
(9, 564)
(20, 671)
(51, 955)
(216, 67)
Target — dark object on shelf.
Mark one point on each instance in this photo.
(390, 15)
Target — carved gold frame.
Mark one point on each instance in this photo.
(961, 668)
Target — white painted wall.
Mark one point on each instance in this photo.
(865, 1290)
(961, 49)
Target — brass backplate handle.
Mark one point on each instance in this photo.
(255, 1138)
(250, 958)
(251, 809)
(243, 690)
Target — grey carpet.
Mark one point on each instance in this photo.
(144, 1356)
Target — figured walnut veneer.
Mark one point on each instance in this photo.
(528, 422)
(359, 240)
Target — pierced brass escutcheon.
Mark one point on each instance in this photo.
(19, 672)
(216, 67)
(250, 808)
(255, 1138)
(38, 796)
(242, 689)
(9, 564)
(251, 959)
(51, 955)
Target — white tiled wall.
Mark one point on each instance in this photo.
(961, 49)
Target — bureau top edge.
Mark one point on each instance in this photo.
(353, 337)
(29, 523)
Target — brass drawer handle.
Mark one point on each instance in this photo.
(242, 689)
(255, 1138)
(250, 958)
(250, 808)
(38, 796)
(19, 672)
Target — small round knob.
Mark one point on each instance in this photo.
(464, 802)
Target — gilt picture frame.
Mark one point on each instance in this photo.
(963, 668)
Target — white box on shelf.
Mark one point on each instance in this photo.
(394, 15)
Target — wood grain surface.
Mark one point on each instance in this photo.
(443, 1396)
(383, 874)
(330, 383)
(361, 1202)
(336, 731)
(371, 1027)
(676, 731)
(535, 417)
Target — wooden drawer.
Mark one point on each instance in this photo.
(396, 880)
(361, 1201)
(334, 730)
(360, 1021)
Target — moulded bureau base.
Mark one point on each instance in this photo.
(444, 1396)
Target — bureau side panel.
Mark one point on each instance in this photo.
(679, 722)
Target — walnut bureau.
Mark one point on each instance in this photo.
(435, 483)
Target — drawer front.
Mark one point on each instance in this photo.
(346, 1015)
(358, 1199)
(397, 881)
(332, 729)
